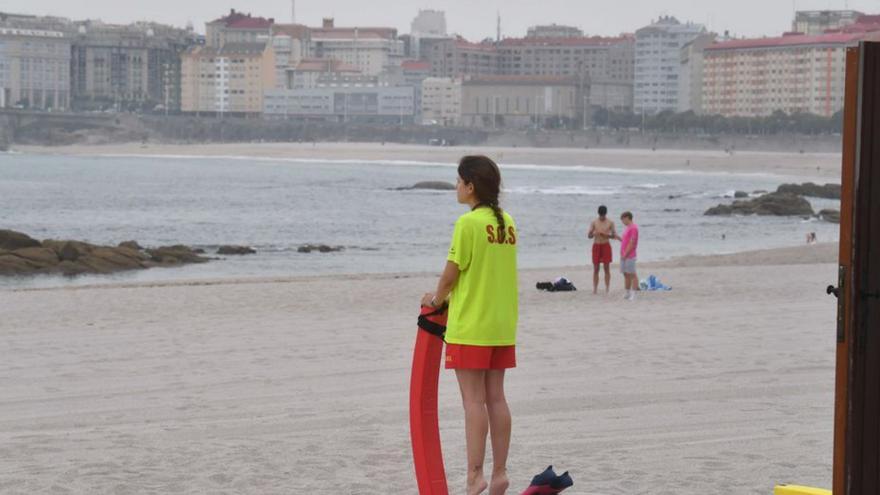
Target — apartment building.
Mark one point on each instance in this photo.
(227, 80)
(441, 101)
(34, 68)
(372, 50)
(135, 66)
(457, 57)
(794, 73)
(237, 27)
(658, 63)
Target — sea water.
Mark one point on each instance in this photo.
(276, 205)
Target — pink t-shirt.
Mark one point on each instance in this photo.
(631, 232)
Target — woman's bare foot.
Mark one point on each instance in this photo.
(476, 484)
(499, 484)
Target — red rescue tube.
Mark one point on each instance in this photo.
(423, 419)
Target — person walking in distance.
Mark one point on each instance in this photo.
(601, 232)
(629, 243)
(481, 282)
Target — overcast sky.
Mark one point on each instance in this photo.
(473, 19)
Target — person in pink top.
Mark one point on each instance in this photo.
(629, 243)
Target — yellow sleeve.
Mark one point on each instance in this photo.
(462, 245)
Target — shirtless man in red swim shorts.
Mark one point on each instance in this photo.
(602, 231)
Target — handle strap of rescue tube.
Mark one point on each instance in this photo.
(430, 326)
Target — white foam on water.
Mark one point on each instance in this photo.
(423, 163)
(563, 190)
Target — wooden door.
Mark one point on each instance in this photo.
(857, 394)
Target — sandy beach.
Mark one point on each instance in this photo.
(818, 166)
(300, 385)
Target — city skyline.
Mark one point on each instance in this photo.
(516, 16)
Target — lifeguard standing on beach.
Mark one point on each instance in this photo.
(481, 283)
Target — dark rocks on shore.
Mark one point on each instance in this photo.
(10, 240)
(20, 256)
(131, 245)
(175, 255)
(321, 248)
(432, 185)
(830, 215)
(740, 194)
(779, 204)
(235, 250)
(826, 191)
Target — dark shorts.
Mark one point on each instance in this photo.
(474, 357)
(601, 253)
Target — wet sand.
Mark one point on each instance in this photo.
(810, 166)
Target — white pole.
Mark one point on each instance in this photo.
(167, 88)
(585, 113)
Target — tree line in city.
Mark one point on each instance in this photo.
(689, 122)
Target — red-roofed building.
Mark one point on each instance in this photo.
(593, 57)
(457, 57)
(237, 27)
(794, 73)
(605, 64)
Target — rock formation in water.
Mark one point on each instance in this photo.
(779, 204)
(22, 255)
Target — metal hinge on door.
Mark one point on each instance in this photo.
(839, 293)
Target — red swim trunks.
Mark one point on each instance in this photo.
(601, 253)
(474, 357)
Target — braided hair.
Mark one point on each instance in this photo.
(483, 173)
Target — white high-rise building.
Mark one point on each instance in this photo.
(430, 23)
(658, 64)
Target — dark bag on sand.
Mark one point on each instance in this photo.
(561, 284)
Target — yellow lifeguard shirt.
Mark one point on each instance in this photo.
(483, 305)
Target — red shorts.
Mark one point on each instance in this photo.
(601, 253)
(474, 357)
